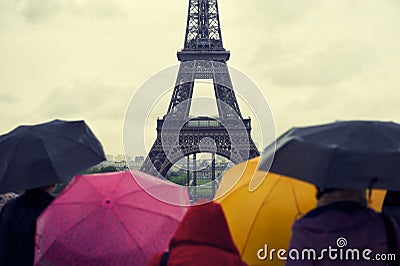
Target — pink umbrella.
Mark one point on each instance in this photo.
(109, 219)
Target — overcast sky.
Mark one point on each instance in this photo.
(315, 61)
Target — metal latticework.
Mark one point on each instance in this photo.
(189, 71)
(203, 30)
(231, 138)
(178, 135)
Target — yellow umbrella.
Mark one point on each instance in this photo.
(377, 198)
(264, 216)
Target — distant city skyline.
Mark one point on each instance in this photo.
(122, 162)
(121, 157)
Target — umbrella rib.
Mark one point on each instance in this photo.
(75, 202)
(55, 134)
(111, 192)
(328, 168)
(12, 159)
(128, 194)
(49, 157)
(116, 185)
(386, 135)
(91, 151)
(15, 152)
(93, 187)
(144, 209)
(75, 225)
(82, 219)
(256, 214)
(137, 191)
(71, 139)
(128, 232)
(229, 195)
(295, 198)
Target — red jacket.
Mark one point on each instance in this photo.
(202, 238)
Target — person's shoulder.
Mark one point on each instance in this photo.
(340, 206)
(9, 208)
(10, 203)
(38, 197)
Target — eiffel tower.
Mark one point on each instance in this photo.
(178, 135)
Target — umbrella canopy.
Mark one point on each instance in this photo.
(344, 154)
(269, 210)
(108, 219)
(53, 152)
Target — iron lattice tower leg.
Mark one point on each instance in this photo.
(203, 57)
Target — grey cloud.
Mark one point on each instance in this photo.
(284, 10)
(272, 15)
(101, 9)
(36, 10)
(7, 98)
(322, 43)
(100, 104)
(329, 65)
(92, 99)
(40, 10)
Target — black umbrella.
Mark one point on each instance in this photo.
(53, 152)
(344, 154)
